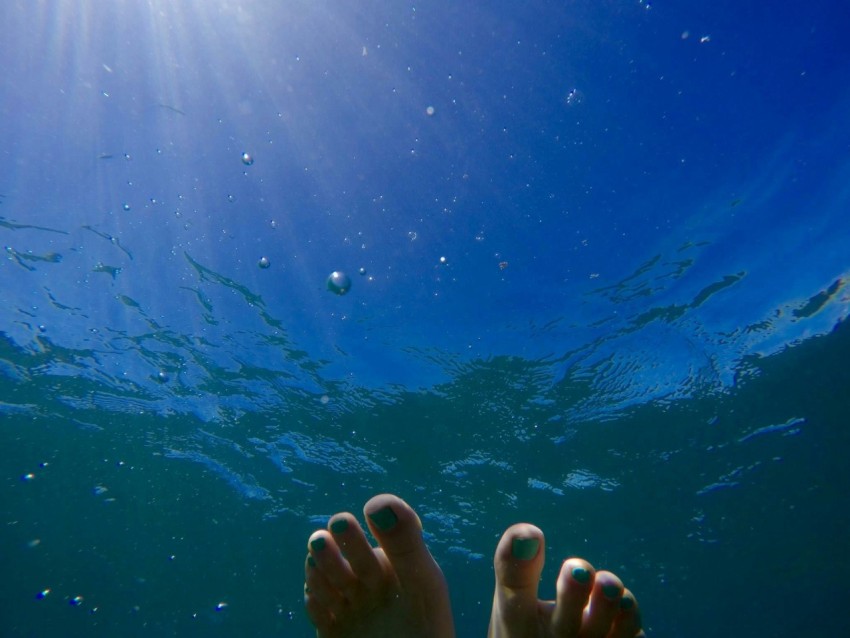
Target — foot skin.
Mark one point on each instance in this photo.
(588, 604)
(352, 590)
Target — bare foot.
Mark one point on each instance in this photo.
(353, 590)
(588, 604)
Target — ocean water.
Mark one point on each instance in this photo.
(598, 255)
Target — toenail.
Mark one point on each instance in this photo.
(339, 526)
(627, 602)
(611, 591)
(311, 561)
(525, 548)
(384, 518)
(581, 574)
(318, 544)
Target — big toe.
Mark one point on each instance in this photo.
(398, 531)
(518, 563)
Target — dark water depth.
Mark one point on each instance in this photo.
(721, 512)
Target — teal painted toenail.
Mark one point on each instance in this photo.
(311, 561)
(384, 518)
(611, 591)
(339, 526)
(581, 574)
(627, 602)
(525, 548)
(318, 544)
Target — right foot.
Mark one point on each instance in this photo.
(588, 604)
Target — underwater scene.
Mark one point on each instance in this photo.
(582, 264)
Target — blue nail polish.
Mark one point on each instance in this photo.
(525, 548)
(339, 526)
(611, 591)
(311, 561)
(627, 602)
(385, 518)
(318, 544)
(581, 574)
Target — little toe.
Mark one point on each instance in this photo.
(604, 605)
(518, 563)
(575, 583)
(321, 599)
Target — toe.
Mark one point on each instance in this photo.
(406, 558)
(355, 548)
(328, 560)
(575, 583)
(518, 563)
(321, 599)
(604, 605)
(627, 624)
(398, 531)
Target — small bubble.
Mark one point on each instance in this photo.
(231, 198)
(429, 110)
(574, 97)
(126, 207)
(324, 399)
(247, 159)
(264, 262)
(44, 593)
(362, 271)
(221, 606)
(442, 260)
(29, 476)
(162, 376)
(76, 601)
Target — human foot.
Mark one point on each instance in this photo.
(588, 604)
(352, 590)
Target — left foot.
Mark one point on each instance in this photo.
(353, 590)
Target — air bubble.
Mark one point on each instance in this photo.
(339, 283)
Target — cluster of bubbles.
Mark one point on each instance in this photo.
(338, 282)
(574, 97)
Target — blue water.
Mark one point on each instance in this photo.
(604, 258)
